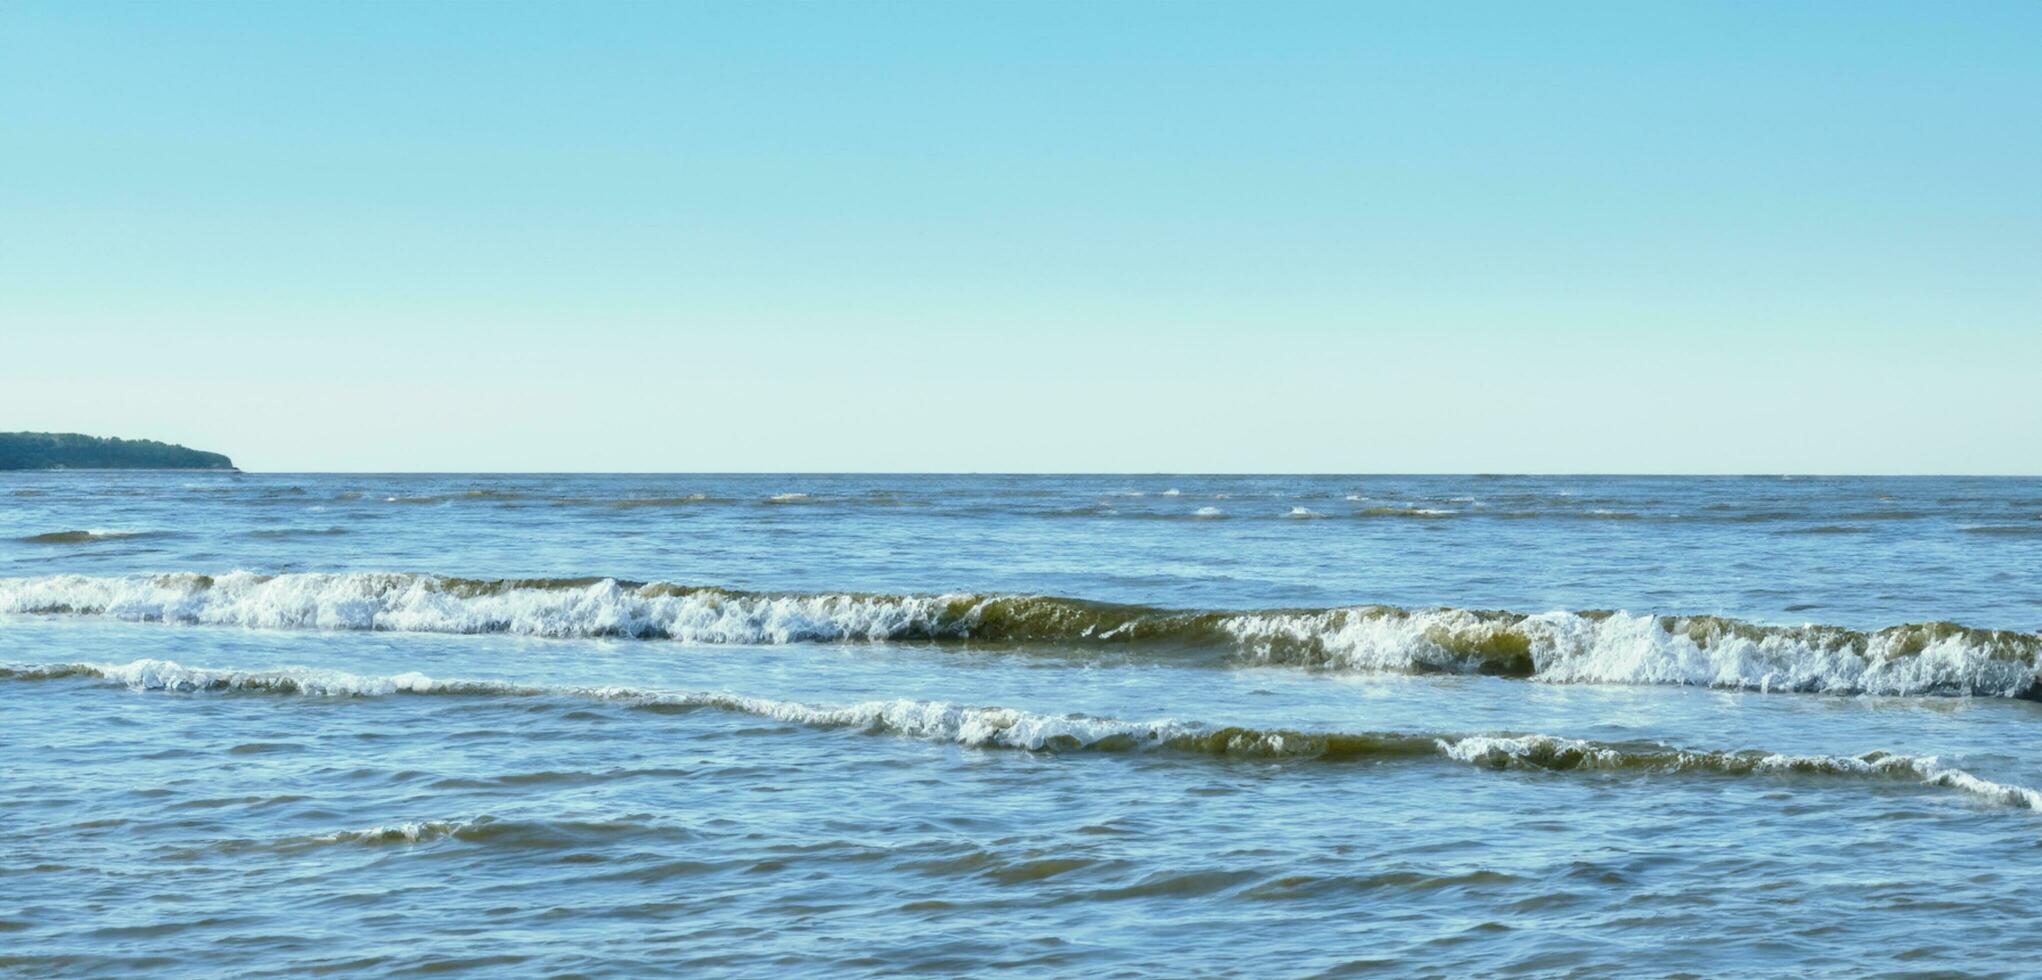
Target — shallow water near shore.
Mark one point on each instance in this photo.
(271, 724)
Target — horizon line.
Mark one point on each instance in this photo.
(1477, 474)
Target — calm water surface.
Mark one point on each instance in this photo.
(619, 725)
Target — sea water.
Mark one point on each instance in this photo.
(623, 724)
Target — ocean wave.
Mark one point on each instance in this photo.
(640, 503)
(286, 533)
(1625, 648)
(1556, 647)
(1422, 512)
(409, 832)
(495, 832)
(499, 832)
(443, 498)
(1011, 728)
(167, 675)
(1094, 510)
(1560, 754)
(86, 537)
(2007, 530)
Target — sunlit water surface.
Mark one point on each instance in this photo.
(865, 756)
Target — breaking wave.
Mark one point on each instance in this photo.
(1556, 647)
(1010, 728)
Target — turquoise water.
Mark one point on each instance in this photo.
(615, 725)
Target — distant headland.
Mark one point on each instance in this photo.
(71, 451)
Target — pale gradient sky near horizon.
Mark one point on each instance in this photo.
(966, 236)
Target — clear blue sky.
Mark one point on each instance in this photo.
(1671, 237)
